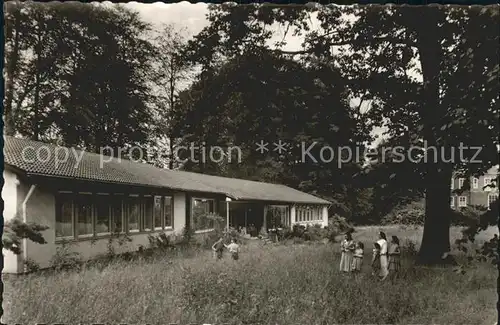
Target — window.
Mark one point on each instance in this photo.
(103, 215)
(147, 213)
(87, 215)
(84, 215)
(475, 183)
(452, 181)
(134, 211)
(306, 214)
(489, 181)
(462, 201)
(452, 202)
(491, 199)
(117, 208)
(461, 182)
(200, 209)
(168, 212)
(64, 216)
(157, 221)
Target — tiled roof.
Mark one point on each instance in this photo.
(22, 154)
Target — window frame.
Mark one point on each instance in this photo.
(452, 202)
(459, 201)
(142, 224)
(488, 199)
(110, 214)
(202, 199)
(122, 210)
(92, 217)
(127, 214)
(58, 204)
(475, 183)
(161, 227)
(171, 197)
(461, 182)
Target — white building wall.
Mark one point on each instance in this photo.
(179, 212)
(293, 218)
(12, 262)
(325, 216)
(40, 209)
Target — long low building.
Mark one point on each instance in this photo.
(85, 198)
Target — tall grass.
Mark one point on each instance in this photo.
(270, 284)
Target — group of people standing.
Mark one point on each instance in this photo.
(385, 259)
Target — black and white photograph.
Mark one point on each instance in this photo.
(197, 163)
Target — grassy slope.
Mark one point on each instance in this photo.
(270, 284)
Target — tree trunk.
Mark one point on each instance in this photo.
(436, 237)
(172, 156)
(169, 119)
(36, 104)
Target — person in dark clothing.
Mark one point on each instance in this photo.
(218, 248)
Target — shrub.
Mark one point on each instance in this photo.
(65, 259)
(467, 216)
(16, 230)
(31, 266)
(409, 248)
(161, 242)
(412, 214)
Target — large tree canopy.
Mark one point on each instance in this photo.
(431, 84)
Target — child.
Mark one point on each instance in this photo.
(394, 255)
(376, 259)
(234, 249)
(358, 257)
(218, 248)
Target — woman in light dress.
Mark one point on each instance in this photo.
(384, 265)
(347, 248)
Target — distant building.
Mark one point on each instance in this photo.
(479, 194)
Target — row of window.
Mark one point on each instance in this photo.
(304, 214)
(87, 214)
(462, 200)
(475, 182)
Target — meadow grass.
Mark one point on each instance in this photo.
(270, 284)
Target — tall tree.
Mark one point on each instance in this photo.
(83, 74)
(452, 99)
(170, 77)
(259, 95)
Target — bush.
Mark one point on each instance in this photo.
(15, 230)
(412, 214)
(161, 242)
(65, 259)
(467, 216)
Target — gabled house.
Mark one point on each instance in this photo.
(483, 190)
(85, 198)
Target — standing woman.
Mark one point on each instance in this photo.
(394, 255)
(384, 264)
(347, 248)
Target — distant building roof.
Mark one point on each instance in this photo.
(21, 154)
